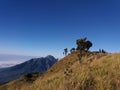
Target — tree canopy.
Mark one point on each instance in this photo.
(83, 44)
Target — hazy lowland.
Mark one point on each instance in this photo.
(7, 60)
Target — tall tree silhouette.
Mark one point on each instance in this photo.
(65, 51)
(83, 45)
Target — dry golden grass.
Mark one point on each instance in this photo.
(97, 72)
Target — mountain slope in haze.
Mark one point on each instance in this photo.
(34, 65)
(7, 60)
(98, 71)
(5, 65)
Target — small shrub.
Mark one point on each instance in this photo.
(31, 77)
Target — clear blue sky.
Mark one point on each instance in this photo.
(42, 27)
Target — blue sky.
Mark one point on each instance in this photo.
(42, 27)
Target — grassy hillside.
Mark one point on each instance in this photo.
(22, 82)
(98, 71)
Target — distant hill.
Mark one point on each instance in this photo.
(98, 71)
(34, 65)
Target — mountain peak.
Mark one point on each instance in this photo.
(33, 65)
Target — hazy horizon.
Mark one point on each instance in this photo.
(41, 28)
(7, 60)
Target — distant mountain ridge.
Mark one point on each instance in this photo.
(34, 65)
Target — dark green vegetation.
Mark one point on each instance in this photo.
(83, 44)
(31, 77)
(65, 51)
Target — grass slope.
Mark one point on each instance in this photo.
(97, 72)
